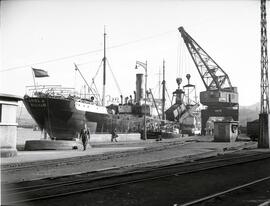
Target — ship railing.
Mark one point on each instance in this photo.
(49, 90)
(57, 91)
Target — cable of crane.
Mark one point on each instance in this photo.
(187, 57)
(178, 59)
(115, 80)
(181, 60)
(87, 52)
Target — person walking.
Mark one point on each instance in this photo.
(114, 136)
(85, 136)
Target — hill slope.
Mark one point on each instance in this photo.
(248, 113)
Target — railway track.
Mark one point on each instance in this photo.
(30, 193)
(225, 192)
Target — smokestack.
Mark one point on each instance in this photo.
(139, 87)
(126, 100)
(121, 96)
(134, 96)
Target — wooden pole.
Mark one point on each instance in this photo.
(163, 92)
(34, 79)
(104, 70)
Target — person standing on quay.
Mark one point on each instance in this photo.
(114, 136)
(85, 136)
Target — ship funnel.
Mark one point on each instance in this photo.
(139, 87)
(134, 96)
(121, 97)
(126, 100)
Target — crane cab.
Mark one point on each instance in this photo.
(219, 97)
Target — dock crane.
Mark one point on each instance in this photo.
(220, 97)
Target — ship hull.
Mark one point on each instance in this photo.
(62, 120)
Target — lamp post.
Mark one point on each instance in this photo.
(144, 65)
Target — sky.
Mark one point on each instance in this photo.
(54, 34)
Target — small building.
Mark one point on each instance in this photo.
(8, 124)
(225, 131)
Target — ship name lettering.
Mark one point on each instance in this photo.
(33, 104)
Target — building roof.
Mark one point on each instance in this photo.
(10, 97)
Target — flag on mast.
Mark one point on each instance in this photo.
(141, 64)
(40, 73)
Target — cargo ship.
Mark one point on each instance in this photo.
(61, 112)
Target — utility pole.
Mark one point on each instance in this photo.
(163, 92)
(264, 139)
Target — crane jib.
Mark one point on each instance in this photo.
(212, 75)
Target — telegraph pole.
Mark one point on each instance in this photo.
(264, 139)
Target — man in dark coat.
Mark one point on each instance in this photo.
(114, 136)
(85, 136)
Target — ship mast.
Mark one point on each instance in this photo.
(104, 70)
(163, 92)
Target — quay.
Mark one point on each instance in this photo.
(102, 156)
(137, 141)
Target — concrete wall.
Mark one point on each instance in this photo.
(8, 134)
(32, 145)
(120, 138)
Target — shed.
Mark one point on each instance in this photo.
(8, 124)
(225, 131)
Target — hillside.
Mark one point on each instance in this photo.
(248, 113)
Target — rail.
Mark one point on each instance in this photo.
(201, 200)
(203, 166)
